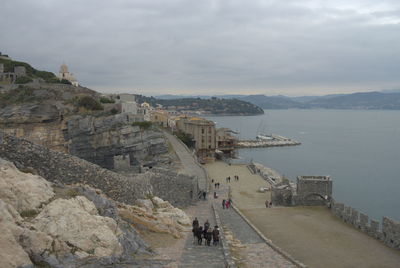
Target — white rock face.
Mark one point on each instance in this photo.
(11, 253)
(24, 191)
(76, 222)
(146, 204)
(161, 218)
(158, 202)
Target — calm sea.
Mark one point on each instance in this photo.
(360, 150)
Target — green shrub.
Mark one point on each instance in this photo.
(23, 80)
(30, 213)
(114, 111)
(185, 138)
(22, 94)
(142, 125)
(106, 100)
(72, 192)
(89, 103)
(65, 81)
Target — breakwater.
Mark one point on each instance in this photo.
(272, 141)
(388, 231)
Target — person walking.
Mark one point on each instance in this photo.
(223, 204)
(227, 204)
(204, 195)
(199, 235)
(209, 236)
(195, 226)
(206, 226)
(267, 203)
(215, 235)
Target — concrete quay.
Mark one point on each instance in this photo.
(276, 141)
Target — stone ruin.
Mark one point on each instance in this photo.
(308, 191)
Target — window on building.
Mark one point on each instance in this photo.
(209, 129)
(202, 131)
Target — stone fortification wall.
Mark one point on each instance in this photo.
(388, 232)
(57, 166)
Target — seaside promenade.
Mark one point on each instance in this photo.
(311, 235)
(243, 246)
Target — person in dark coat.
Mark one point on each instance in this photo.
(215, 235)
(223, 204)
(206, 226)
(209, 236)
(199, 235)
(204, 195)
(195, 226)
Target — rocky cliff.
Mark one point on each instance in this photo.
(72, 120)
(56, 225)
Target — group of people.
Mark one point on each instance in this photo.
(268, 204)
(236, 177)
(226, 203)
(216, 185)
(207, 233)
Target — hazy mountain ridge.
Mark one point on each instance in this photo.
(383, 100)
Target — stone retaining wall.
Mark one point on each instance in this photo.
(178, 189)
(388, 233)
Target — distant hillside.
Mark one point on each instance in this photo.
(368, 101)
(212, 105)
(384, 100)
(274, 102)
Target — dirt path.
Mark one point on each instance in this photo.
(311, 235)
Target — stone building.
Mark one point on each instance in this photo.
(65, 74)
(128, 104)
(10, 77)
(203, 133)
(160, 117)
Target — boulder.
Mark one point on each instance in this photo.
(11, 253)
(24, 191)
(145, 203)
(159, 203)
(77, 222)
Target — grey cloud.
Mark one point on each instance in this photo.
(226, 46)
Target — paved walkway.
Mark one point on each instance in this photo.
(200, 255)
(249, 249)
(189, 164)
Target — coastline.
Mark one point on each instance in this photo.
(312, 235)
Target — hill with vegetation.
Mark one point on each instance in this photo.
(213, 105)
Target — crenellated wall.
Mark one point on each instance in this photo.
(388, 232)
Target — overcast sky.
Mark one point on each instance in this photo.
(292, 47)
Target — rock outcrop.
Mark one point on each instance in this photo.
(60, 167)
(75, 225)
(156, 215)
(105, 140)
(76, 222)
(24, 191)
